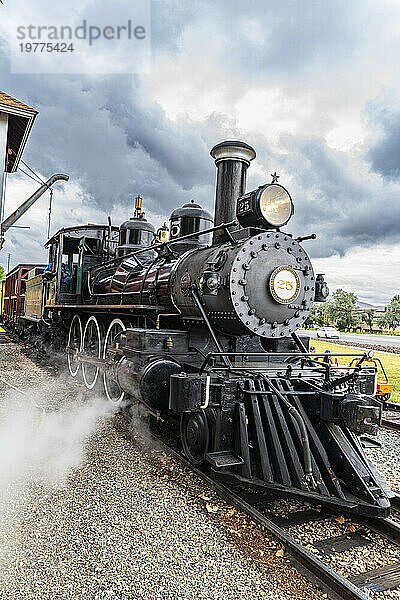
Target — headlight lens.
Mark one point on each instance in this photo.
(275, 205)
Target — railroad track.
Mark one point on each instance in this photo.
(312, 565)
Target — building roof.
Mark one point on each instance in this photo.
(20, 121)
(22, 266)
(9, 101)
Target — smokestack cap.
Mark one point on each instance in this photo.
(233, 150)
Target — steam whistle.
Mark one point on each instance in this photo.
(138, 207)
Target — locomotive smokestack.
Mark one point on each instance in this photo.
(232, 159)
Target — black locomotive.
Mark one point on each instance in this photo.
(203, 326)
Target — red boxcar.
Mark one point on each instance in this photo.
(14, 294)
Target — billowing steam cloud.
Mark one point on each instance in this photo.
(44, 446)
(39, 449)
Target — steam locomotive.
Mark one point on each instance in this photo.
(202, 326)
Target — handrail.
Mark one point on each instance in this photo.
(309, 355)
(163, 244)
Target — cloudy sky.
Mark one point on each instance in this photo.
(313, 85)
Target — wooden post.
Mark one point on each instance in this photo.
(3, 156)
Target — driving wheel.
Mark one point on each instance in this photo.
(74, 345)
(91, 347)
(115, 395)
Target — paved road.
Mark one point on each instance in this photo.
(390, 341)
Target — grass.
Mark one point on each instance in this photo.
(391, 362)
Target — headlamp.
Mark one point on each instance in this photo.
(321, 289)
(267, 206)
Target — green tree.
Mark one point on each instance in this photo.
(395, 303)
(368, 317)
(391, 318)
(388, 320)
(2, 273)
(317, 314)
(343, 309)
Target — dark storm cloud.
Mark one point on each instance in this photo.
(265, 39)
(180, 151)
(385, 153)
(334, 199)
(169, 19)
(297, 34)
(104, 132)
(114, 143)
(290, 35)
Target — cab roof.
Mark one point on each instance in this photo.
(78, 229)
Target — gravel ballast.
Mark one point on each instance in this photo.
(387, 458)
(90, 511)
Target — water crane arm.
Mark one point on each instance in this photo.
(21, 210)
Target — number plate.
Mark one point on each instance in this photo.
(243, 206)
(284, 284)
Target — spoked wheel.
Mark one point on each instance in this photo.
(115, 395)
(74, 345)
(195, 436)
(91, 347)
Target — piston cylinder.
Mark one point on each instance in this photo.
(147, 382)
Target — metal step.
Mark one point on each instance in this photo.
(223, 460)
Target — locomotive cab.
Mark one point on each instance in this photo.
(72, 251)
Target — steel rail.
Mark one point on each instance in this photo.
(387, 528)
(389, 424)
(395, 502)
(335, 585)
(317, 572)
